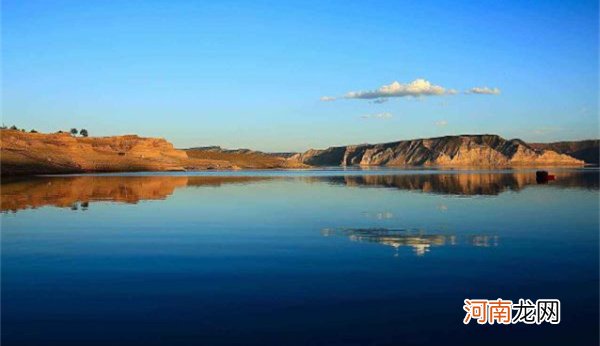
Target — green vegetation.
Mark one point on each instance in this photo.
(73, 131)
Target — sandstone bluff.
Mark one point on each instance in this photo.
(464, 150)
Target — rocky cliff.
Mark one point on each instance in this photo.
(464, 150)
(587, 150)
(36, 153)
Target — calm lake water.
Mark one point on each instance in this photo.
(296, 257)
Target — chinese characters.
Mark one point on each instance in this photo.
(500, 311)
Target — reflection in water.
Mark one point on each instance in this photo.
(418, 240)
(245, 255)
(481, 183)
(76, 192)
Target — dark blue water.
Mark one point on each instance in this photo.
(319, 258)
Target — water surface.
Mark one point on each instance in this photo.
(295, 257)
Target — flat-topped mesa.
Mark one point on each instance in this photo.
(37, 153)
(463, 150)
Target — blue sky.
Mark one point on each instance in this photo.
(251, 74)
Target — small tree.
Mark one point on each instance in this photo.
(13, 127)
(83, 132)
(33, 131)
(74, 131)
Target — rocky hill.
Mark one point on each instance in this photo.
(37, 153)
(243, 158)
(24, 153)
(464, 150)
(587, 150)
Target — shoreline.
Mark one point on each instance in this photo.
(341, 169)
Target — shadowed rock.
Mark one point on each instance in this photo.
(587, 150)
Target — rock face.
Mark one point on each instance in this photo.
(464, 150)
(587, 150)
(36, 153)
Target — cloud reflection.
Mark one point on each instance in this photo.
(420, 241)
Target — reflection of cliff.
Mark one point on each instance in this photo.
(468, 183)
(418, 240)
(221, 180)
(69, 191)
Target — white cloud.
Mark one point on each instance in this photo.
(418, 87)
(483, 91)
(441, 123)
(382, 116)
(327, 98)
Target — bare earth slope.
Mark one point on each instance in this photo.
(464, 150)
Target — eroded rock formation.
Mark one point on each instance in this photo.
(465, 150)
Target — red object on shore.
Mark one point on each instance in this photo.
(551, 177)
